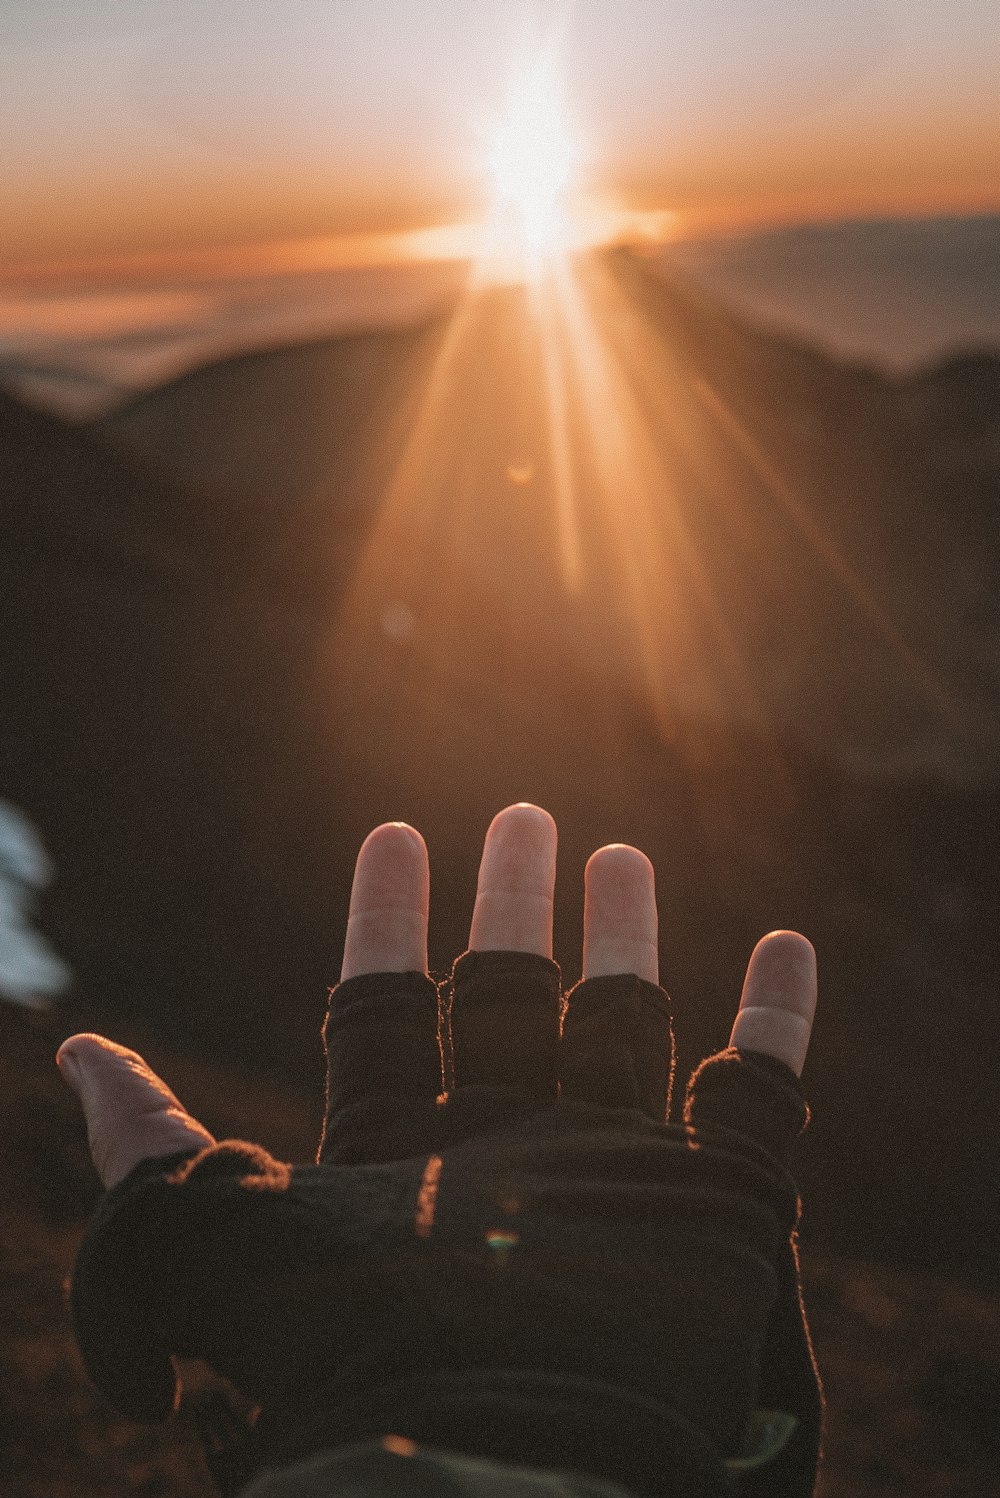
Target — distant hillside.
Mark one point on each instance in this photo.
(206, 715)
(847, 526)
(899, 293)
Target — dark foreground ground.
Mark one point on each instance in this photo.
(911, 1361)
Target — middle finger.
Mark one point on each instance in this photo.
(517, 877)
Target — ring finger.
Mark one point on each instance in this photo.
(619, 915)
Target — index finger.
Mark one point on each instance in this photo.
(387, 923)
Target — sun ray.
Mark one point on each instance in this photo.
(816, 537)
(562, 493)
(638, 509)
(560, 443)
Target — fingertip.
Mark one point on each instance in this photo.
(620, 924)
(79, 1051)
(786, 962)
(390, 899)
(778, 1003)
(68, 1066)
(787, 939)
(398, 833)
(523, 819)
(392, 866)
(519, 850)
(620, 861)
(394, 844)
(88, 1040)
(517, 875)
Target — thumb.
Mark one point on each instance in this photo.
(779, 999)
(131, 1114)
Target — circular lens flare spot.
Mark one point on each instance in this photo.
(397, 620)
(501, 1241)
(520, 473)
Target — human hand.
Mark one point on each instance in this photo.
(637, 1257)
(132, 1115)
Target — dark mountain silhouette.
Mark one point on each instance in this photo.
(131, 674)
(214, 687)
(853, 511)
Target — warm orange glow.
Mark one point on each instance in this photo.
(537, 451)
(561, 469)
(108, 314)
(268, 258)
(93, 206)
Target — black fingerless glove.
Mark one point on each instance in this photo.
(535, 1266)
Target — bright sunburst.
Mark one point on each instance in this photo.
(532, 158)
(564, 487)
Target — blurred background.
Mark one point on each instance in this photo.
(405, 410)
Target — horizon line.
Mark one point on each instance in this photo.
(647, 231)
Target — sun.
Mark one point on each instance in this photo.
(532, 160)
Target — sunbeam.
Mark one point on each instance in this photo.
(565, 494)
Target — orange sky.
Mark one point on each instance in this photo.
(140, 131)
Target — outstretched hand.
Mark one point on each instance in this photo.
(132, 1115)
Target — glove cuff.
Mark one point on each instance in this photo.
(751, 1093)
(617, 1045)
